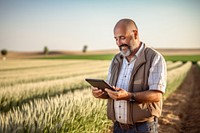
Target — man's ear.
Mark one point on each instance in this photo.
(135, 32)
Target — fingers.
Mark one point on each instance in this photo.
(112, 94)
(94, 88)
(117, 89)
(108, 90)
(119, 94)
(97, 92)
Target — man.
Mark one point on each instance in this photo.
(138, 74)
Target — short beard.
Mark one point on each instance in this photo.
(126, 53)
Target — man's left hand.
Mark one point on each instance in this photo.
(119, 94)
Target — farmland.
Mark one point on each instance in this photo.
(38, 95)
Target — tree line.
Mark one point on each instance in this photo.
(4, 52)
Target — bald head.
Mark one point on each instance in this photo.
(126, 32)
(128, 24)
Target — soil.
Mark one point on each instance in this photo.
(181, 110)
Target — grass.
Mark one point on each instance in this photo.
(83, 57)
(183, 58)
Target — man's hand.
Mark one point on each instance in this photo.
(119, 94)
(97, 92)
(141, 97)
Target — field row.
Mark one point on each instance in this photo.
(65, 70)
(52, 81)
(176, 76)
(9, 65)
(37, 74)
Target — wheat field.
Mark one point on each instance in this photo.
(52, 96)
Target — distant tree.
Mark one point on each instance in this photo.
(85, 48)
(46, 50)
(4, 53)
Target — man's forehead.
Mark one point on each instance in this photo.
(119, 31)
(120, 26)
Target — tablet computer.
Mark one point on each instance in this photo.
(99, 83)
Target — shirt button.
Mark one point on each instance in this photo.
(119, 117)
(125, 76)
(120, 106)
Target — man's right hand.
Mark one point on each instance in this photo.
(97, 92)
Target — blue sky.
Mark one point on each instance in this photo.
(29, 25)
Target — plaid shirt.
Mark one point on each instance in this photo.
(156, 81)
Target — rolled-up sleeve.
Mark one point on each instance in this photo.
(158, 74)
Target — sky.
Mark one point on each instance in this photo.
(29, 25)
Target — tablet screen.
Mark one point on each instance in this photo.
(99, 83)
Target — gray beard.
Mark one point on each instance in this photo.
(127, 53)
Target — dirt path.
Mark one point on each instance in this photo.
(181, 110)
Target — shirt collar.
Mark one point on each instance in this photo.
(140, 49)
(137, 53)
